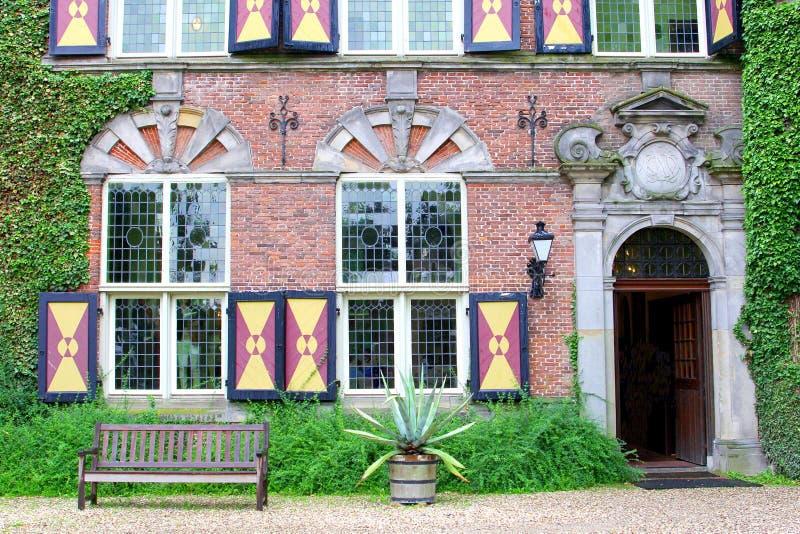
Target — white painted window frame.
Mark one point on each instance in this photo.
(172, 39)
(648, 33)
(166, 292)
(402, 292)
(400, 35)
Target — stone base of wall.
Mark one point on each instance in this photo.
(740, 455)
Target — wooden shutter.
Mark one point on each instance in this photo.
(722, 23)
(310, 25)
(253, 25)
(67, 346)
(311, 344)
(255, 345)
(498, 344)
(491, 25)
(563, 26)
(78, 27)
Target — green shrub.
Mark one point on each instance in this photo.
(530, 446)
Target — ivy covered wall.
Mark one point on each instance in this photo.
(46, 121)
(771, 131)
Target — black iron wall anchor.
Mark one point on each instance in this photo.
(531, 120)
(286, 120)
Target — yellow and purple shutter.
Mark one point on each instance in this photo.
(499, 345)
(67, 346)
(310, 25)
(491, 25)
(722, 21)
(253, 25)
(77, 27)
(311, 344)
(255, 345)
(563, 26)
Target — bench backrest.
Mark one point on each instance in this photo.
(179, 446)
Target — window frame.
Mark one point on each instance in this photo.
(647, 33)
(173, 43)
(402, 292)
(166, 292)
(400, 45)
(168, 372)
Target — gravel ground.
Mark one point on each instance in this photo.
(614, 509)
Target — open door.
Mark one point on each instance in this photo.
(690, 418)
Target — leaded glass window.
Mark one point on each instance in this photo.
(369, 24)
(433, 232)
(648, 28)
(659, 253)
(195, 228)
(369, 232)
(198, 347)
(402, 26)
(371, 343)
(134, 226)
(203, 26)
(434, 347)
(171, 27)
(137, 344)
(197, 232)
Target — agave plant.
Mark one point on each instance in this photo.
(416, 423)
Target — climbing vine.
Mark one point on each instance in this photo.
(46, 120)
(771, 169)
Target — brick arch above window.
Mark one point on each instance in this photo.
(402, 137)
(166, 138)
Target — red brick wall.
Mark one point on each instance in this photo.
(283, 234)
(501, 217)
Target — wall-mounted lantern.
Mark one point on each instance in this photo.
(541, 242)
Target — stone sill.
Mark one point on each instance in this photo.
(508, 61)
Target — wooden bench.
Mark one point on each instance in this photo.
(176, 453)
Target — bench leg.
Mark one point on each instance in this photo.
(81, 483)
(93, 494)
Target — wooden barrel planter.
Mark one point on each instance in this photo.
(412, 478)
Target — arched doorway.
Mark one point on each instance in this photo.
(662, 347)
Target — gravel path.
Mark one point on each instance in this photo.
(616, 509)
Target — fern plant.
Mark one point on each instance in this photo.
(416, 423)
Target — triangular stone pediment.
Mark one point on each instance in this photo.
(659, 105)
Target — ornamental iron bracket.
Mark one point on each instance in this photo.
(286, 120)
(531, 120)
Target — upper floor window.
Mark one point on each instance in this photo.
(401, 26)
(171, 27)
(649, 28)
(166, 231)
(401, 232)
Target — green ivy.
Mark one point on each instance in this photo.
(46, 121)
(771, 169)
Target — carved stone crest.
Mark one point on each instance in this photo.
(659, 162)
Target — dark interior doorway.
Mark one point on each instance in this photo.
(661, 367)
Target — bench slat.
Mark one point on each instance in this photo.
(171, 477)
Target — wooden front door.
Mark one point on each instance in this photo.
(690, 413)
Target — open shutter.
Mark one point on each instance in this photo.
(311, 344)
(78, 27)
(563, 26)
(255, 345)
(254, 25)
(498, 344)
(310, 25)
(491, 25)
(722, 21)
(67, 346)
